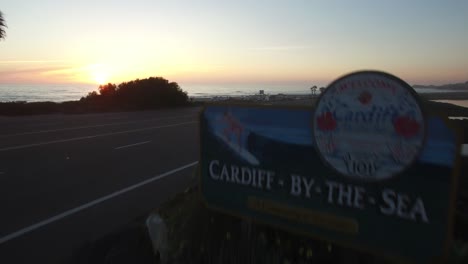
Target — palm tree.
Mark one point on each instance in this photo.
(313, 89)
(2, 26)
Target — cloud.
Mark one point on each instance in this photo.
(281, 48)
(56, 73)
(37, 70)
(25, 72)
(30, 61)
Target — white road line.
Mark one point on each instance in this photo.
(84, 127)
(92, 136)
(132, 145)
(75, 210)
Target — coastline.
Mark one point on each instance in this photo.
(309, 99)
(447, 106)
(445, 96)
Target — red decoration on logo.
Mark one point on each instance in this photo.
(365, 97)
(406, 126)
(326, 122)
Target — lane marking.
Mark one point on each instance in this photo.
(118, 118)
(93, 136)
(458, 117)
(93, 126)
(75, 210)
(132, 145)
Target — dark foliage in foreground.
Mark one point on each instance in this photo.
(2, 26)
(144, 94)
(151, 93)
(24, 108)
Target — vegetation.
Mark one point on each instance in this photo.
(313, 89)
(150, 93)
(2, 26)
(199, 235)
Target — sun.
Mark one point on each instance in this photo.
(100, 78)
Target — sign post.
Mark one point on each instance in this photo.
(364, 168)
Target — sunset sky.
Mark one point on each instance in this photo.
(60, 41)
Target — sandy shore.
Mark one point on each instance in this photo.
(445, 96)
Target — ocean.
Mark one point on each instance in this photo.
(42, 92)
(72, 92)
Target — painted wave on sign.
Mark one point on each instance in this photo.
(294, 127)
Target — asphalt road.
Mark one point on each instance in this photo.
(66, 180)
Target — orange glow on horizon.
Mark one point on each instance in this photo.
(207, 73)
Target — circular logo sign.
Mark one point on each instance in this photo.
(368, 125)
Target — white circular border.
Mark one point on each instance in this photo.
(339, 162)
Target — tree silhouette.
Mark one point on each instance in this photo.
(322, 89)
(91, 96)
(139, 94)
(2, 26)
(107, 89)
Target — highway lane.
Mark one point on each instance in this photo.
(75, 166)
(18, 126)
(64, 167)
(12, 125)
(91, 132)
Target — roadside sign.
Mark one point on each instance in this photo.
(365, 168)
